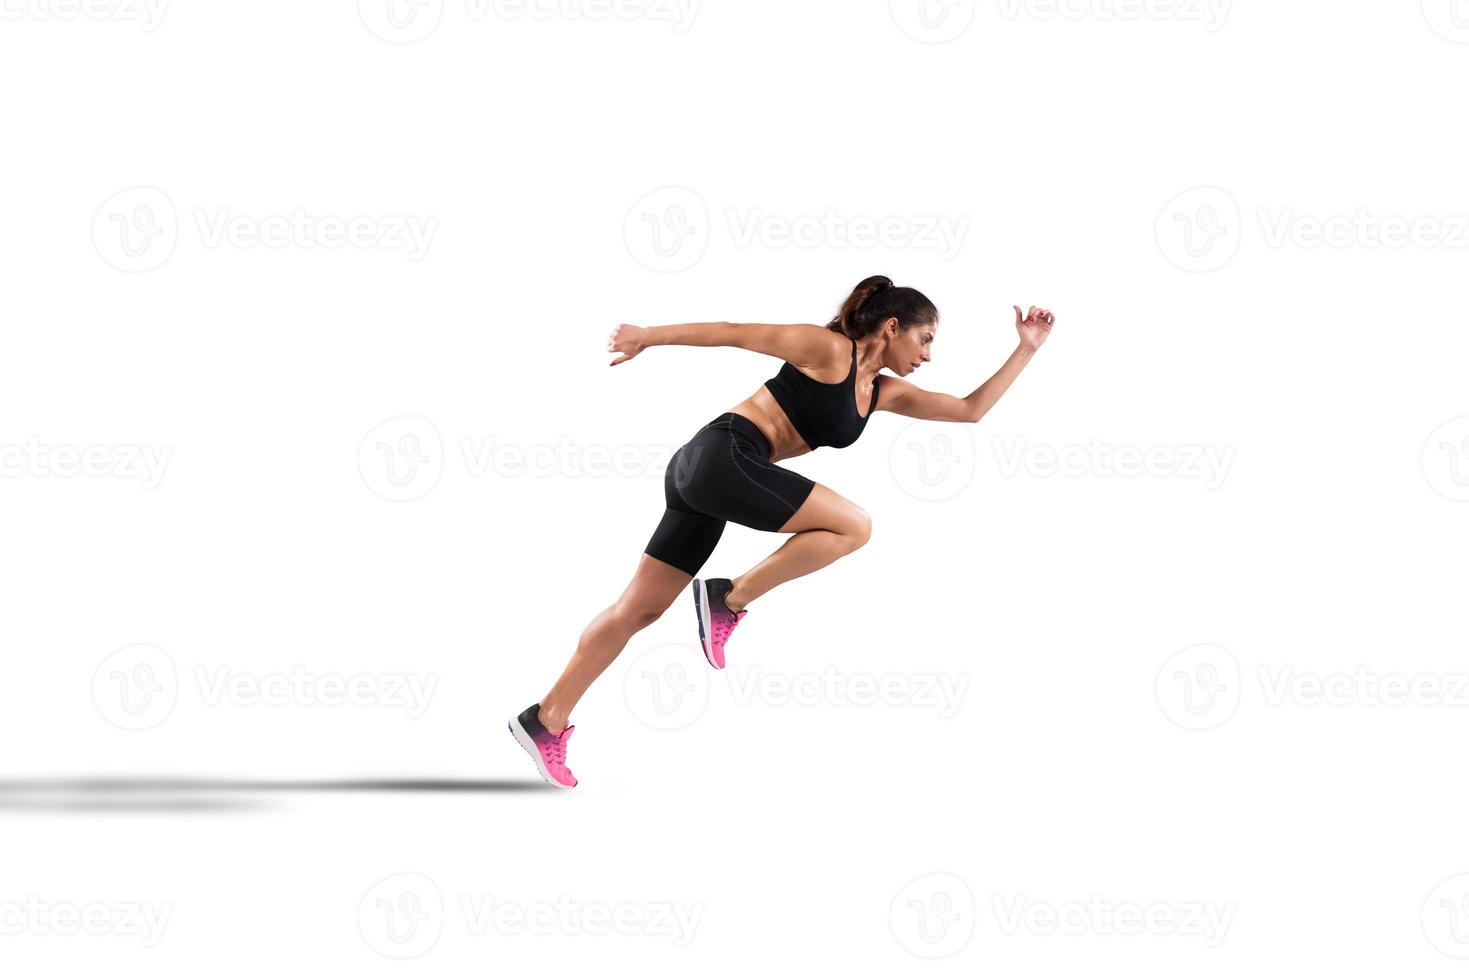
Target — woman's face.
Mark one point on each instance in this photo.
(910, 348)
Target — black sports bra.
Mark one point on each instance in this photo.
(825, 414)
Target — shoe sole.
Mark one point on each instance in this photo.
(529, 744)
(701, 607)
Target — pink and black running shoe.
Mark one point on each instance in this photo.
(716, 620)
(548, 750)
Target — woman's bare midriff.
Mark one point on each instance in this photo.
(762, 409)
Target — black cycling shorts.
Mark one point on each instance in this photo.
(722, 474)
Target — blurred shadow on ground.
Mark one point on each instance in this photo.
(191, 794)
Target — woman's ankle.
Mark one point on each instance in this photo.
(546, 716)
(734, 599)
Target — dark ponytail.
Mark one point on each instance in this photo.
(875, 300)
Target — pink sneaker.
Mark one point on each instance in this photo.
(548, 750)
(716, 620)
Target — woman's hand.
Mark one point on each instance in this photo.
(1035, 327)
(626, 340)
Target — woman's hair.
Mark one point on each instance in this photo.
(874, 300)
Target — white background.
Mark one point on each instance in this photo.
(1139, 730)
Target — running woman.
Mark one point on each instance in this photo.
(822, 395)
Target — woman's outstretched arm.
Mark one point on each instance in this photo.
(802, 344)
(904, 398)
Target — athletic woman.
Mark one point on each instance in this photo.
(823, 395)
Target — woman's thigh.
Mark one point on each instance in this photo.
(825, 509)
(718, 474)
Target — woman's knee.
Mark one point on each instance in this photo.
(641, 615)
(653, 590)
(860, 530)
